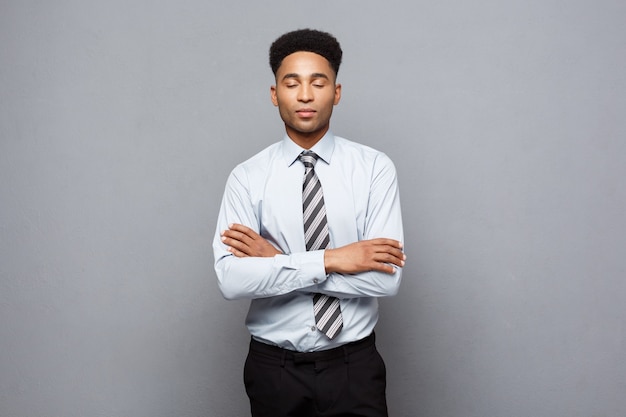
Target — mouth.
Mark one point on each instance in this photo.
(305, 113)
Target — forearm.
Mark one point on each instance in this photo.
(364, 284)
(260, 277)
(368, 268)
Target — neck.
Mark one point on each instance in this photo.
(306, 140)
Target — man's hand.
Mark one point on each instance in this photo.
(243, 241)
(366, 255)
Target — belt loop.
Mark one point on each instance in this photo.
(282, 358)
(346, 355)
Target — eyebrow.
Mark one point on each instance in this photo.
(314, 75)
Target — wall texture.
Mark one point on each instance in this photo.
(120, 120)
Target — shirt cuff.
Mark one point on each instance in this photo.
(310, 267)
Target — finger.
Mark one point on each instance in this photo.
(242, 248)
(388, 242)
(390, 259)
(238, 227)
(387, 250)
(390, 252)
(236, 244)
(237, 253)
(245, 230)
(384, 267)
(238, 236)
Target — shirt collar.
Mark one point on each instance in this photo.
(323, 148)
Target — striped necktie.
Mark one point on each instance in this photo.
(326, 308)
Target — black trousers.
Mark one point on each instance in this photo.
(348, 381)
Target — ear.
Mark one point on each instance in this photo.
(337, 93)
(273, 95)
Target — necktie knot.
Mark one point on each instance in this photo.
(308, 158)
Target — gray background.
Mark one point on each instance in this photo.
(120, 120)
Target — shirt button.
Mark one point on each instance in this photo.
(313, 328)
(315, 280)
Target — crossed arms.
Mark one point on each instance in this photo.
(256, 260)
(366, 255)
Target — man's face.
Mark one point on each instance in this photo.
(305, 93)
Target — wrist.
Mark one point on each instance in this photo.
(331, 261)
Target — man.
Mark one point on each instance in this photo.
(310, 230)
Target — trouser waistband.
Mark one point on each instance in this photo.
(310, 357)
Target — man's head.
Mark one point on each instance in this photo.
(306, 40)
(305, 65)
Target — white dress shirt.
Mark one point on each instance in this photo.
(265, 193)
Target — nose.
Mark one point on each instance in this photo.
(305, 93)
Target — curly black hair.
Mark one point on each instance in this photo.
(308, 40)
